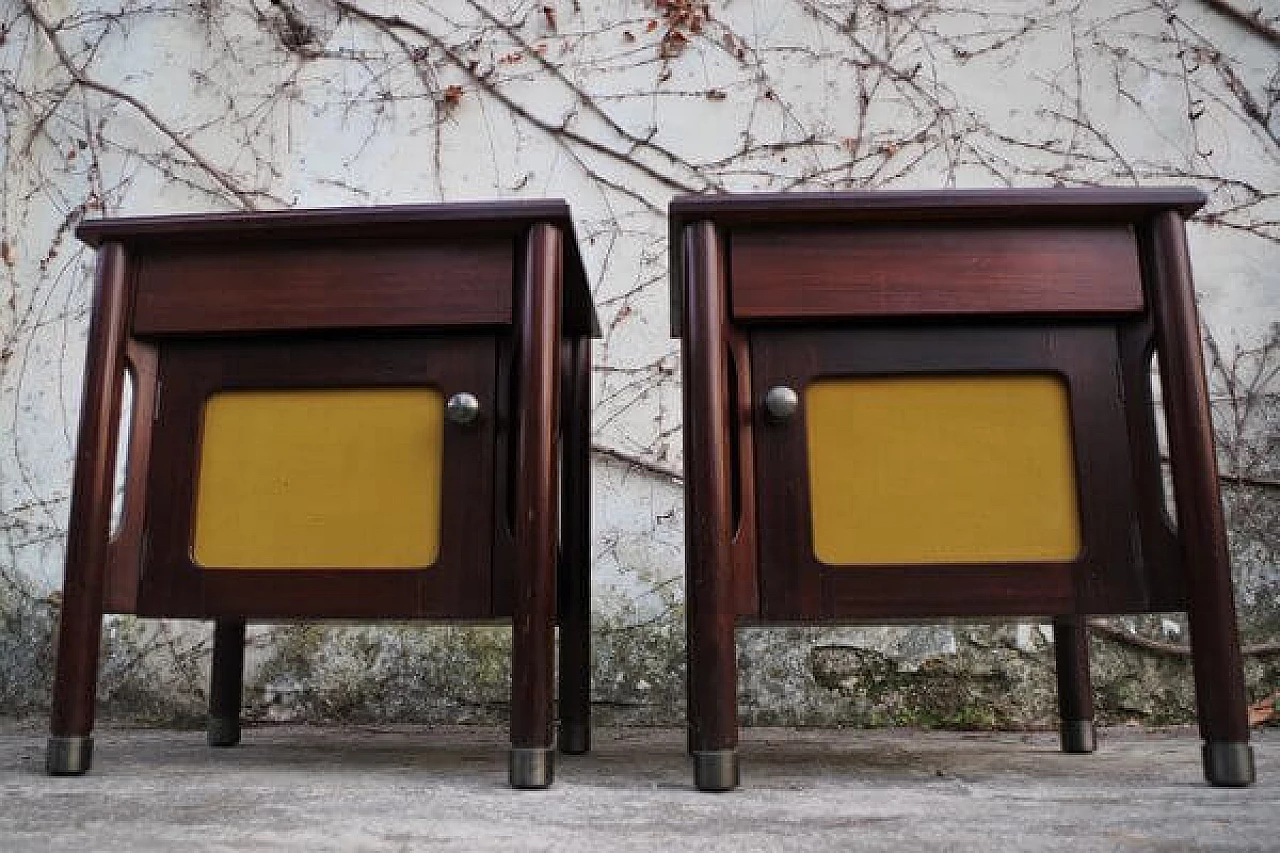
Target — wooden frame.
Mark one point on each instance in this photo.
(794, 585)
(457, 585)
(487, 298)
(776, 291)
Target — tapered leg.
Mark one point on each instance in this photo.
(712, 669)
(70, 748)
(533, 639)
(575, 536)
(226, 682)
(1075, 690)
(1215, 643)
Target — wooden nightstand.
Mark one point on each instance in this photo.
(928, 405)
(377, 413)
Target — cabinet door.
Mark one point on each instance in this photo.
(934, 470)
(320, 477)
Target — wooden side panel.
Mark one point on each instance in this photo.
(922, 269)
(124, 563)
(746, 585)
(278, 285)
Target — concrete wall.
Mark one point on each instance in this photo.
(131, 107)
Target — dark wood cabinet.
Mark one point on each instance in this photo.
(375, 413)
(938, 404)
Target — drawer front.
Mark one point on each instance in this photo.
(321, 478)
(943, 472)
(933, 270)
(340, 284)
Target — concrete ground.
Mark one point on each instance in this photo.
(403, 788)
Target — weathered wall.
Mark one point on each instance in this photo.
(142, 106)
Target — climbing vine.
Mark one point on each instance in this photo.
(135, 106)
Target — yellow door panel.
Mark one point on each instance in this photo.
(343, 478)
(942, 469)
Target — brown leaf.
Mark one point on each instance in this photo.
(453, 95)
(1263, 712)
(673, 44)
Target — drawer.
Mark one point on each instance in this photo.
(256, 286)
(938, 269)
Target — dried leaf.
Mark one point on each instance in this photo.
(1263, 712)
(453, 95)
(673, 44)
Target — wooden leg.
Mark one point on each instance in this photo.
(70, 748)
(533, 639)
(1215, 643)
(226, 682)
(575, 575)
(1075, 689)
(712, 669)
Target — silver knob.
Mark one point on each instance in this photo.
(781, 402)
(462, 408)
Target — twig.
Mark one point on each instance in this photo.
(1251, 20)
(1171, 649)
(387, 23)
(672, 474)
(82, 79)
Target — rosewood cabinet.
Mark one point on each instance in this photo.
(929, 405)
(377, 413)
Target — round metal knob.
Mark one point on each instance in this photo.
(462, 408)
(781, 402)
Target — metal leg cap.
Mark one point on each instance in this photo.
(68, 756)
(531, 768)
(716, 770)
(1077, 736)
(1228, 765)
(575, 740)
(224, 731)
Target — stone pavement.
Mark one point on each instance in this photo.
(409, 788)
